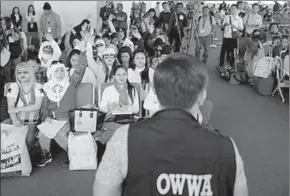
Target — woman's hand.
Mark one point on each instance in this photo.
(136, 34)
(13, 110)
(49, 37)
(48, 120)
(112, 106)
(16, 122)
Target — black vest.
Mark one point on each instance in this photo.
(172, 154)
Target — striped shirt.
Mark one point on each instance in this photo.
(25, 117)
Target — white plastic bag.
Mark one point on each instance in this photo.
(82, 151)
(15, 160)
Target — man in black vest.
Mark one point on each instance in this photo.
(171, 153)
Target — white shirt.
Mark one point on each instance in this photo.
(89, 77)
(135, 77)
(13, 91)
(253, 19)
(111, 95)
(236, 20)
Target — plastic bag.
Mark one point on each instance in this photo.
(15, 160)
(82, 151)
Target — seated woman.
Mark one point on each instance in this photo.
(121, 97)
(31, 58)
(58, 101)
(125, 56)
(24, 99)
(49, 51)
(282, 50)
(73, 62)
(254, 53)
(273, 32)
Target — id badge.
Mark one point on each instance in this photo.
(10, 39)
(181, 17)
(31, 25)
(49, 29)
(201, 30)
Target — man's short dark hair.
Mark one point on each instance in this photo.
(179, 80)
(234, 5)
(46, 6)
(164, 3)
(255, 4)
(179, 4)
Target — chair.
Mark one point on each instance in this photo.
(282, 71)
(85, 94)
(136, 85)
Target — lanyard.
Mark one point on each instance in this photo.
(204, 20)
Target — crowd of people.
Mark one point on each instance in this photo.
(131, 67)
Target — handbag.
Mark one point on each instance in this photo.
(85, 120)
(235, 34)
(124, 119)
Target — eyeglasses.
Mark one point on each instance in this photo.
(56, 62)
(22, 72)
(99, 45)
(107, 56)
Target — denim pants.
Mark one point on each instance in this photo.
(204, 41)
(61, 137)
(31, 134)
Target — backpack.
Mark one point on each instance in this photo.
(199, 18)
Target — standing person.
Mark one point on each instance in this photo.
(205, 29)
(16, 18)
(240, 5)
(50, 23)
(13, 37)
(178, 28)
(105, 13)
(170, 149)
(31, 19)
(232, 24)
(165, 16)
(157, 9)
(253, 20)
(121, 18)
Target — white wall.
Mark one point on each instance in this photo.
(71, 12)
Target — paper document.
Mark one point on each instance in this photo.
(51, 129)
(118, 112)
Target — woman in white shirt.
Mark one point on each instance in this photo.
(121, 96)
(24, 98)
(31, 19)
(232, 24)
(140, 72)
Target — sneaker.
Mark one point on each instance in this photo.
(65, 163)
(213, 46)
(44, 159)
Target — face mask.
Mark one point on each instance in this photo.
(46, 57)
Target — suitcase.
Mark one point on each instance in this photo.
(264, 86)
